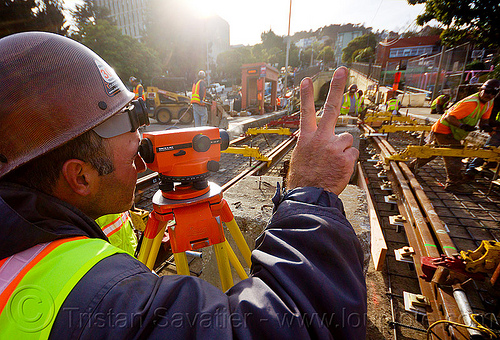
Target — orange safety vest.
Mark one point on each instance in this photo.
(196, 95)
(136, 92)
(34, 283)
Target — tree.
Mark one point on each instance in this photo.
(327, 55)
(359, 43)
(364, 55)
(465, 20)
(30, 15)
(271, 40)
(229, 62)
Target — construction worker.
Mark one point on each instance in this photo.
(362, 107)
(455, 125)
(393, 105)
(138, 89)
(439, 104)
(493, 140)
(118, 229)
(350, 102)
(65, 163)
(198, 100)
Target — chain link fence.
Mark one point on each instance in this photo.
(423, 72)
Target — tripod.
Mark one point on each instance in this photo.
(198, 215)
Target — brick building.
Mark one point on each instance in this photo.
(394, 52)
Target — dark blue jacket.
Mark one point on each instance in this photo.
(306, 279)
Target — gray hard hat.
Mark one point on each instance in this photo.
(53, 90)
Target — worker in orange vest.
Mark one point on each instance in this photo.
(198, 100)
(138, 88)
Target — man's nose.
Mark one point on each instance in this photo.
(140, 165)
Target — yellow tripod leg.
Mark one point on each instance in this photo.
(155, 246)
(226, 278)
(151, 228)
(235, 231)
(145, 248)
(181, 263)
(235, 262)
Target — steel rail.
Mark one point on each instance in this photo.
(413, 204)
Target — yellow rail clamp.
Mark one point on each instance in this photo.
(395, 128)
(491, 154)
(379, 114)
(484, 259)
(248, 152)
(278, 131)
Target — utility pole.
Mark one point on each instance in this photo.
(287, 46)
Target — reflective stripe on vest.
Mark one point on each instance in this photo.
(471, 119)
(117, 224)
(37, 281)
(136, 91)
(392, 104)
(119, 230)
(195, 94)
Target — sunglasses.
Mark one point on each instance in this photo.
(492, 92)
(128, 120)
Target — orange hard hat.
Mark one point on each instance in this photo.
(53, 90)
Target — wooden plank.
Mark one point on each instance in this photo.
(378, 245)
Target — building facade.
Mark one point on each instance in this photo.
(129, 15)
(392, 53)
(343, 39)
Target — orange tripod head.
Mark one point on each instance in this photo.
(184, 155)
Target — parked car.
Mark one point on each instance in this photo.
(216, 88)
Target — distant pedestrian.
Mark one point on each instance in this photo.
(393, 105)
(362, 107)
(198, 100)
(439, 104)
(350, 102)
(138, 89)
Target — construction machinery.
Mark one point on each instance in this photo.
(164, 106)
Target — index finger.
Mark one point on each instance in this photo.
(307, 110)
(333, 101)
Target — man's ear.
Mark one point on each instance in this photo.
(80, 176)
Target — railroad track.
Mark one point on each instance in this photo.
(435, 222)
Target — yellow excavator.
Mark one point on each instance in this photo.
(166, 105)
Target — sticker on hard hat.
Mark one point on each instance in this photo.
(110, 79)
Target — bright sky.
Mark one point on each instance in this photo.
(248, 19)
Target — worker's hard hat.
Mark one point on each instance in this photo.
(353, 87)
(201, 74)
(132, 79)
(491, 84)
(53, 90)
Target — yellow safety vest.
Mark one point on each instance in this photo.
(195, 94)
(393, 104)
(471, 119)
(436, 101)
(118, 229)
(35, 283)
(136, 92)
(344, 110)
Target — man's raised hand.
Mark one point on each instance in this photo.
(322, 159)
